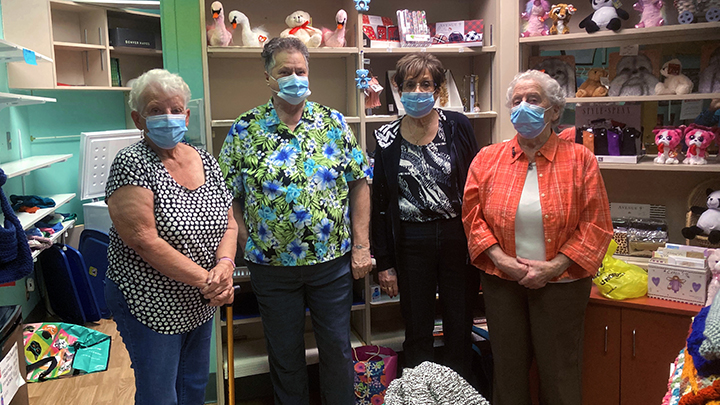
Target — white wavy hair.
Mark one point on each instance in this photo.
(168, 83)
(552, 89)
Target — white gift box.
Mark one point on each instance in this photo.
(677, 283)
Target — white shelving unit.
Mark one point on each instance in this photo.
(25, 166)
(10, 52)
(28, 220)
(18, 100)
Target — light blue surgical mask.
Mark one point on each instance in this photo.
(528, 119)
(417, 104)
(294, 89)
(166, 130)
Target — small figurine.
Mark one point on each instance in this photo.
(536, 12)
(675, 82)
(362, 79)
(689, 9)
(299, 23)
(667, 140)
(362, 5)
(606, 15)
(697, 138)
(249, 36)
(650, 13)
(336, 38)
(593, 86)
(709, 221)
(217, 33)
(561, 13)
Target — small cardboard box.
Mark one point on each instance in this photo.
(466, 33)
(677, 283)
(132, 38)
(379, 32)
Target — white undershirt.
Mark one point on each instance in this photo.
(529, 231)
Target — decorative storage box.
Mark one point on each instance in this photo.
(467, 33)
(677, 283)
(379, 32)
(132, 38)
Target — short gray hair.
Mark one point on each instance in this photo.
(169, 83)
(287, 44)
(552, 89)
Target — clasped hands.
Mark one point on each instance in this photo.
(528, 273)
(219, 285)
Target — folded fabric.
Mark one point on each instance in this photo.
(698, 390)
(704, 367)
(430, 384)
(30, 210)
(672, 397)
(18, 201)
(67, 217)
(33, 232)
(47, 231)
(710, 348)
(56, 227)
(52, 219)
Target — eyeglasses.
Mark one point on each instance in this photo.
(425, 86)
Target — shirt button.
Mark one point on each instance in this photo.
(540, 175)
(542, 195)
(549, 240)
(547, 216)
(539, 154)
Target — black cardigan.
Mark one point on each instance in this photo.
(385, 189)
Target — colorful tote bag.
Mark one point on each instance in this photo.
(375, 368)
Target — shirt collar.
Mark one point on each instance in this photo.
(306, 115)
(548, 150)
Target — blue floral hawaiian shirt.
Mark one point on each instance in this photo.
(293, 185)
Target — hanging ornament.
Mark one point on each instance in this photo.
(362, 5)
(362, 81)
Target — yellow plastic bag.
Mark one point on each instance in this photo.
(619, 280)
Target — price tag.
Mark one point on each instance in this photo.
(461, 49)
(376, 88)
(366, 61)
(629, 50)
(29, 57)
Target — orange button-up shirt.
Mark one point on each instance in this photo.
(575, 208)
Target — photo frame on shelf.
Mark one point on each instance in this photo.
(560, 68)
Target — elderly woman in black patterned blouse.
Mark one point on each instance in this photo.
(172, 246)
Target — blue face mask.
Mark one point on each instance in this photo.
(294, 89)
(166, 130)
(417, 104)
(528, 119)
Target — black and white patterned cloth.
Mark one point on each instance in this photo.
(191, 221)
(432, 384)
(426, 183)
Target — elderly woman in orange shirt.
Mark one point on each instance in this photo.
(537, 219)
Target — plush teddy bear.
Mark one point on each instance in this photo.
(650, 13)
(668, 141)
(604, 16)
(299, 23)
(560, 14)
(713, 261)
(709, 221)
(698, 138)
(675, 82)
(593, 86)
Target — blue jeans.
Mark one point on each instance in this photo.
(169, 369)
(282, 294)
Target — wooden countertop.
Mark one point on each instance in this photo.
(646, 303)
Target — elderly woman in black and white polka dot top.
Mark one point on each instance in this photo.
(172, 246)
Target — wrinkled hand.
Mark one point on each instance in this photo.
(512, 267)
(219, 280)
(226, 297)
(715, 104)
(361, 262)
(539, 272)
(388, 282)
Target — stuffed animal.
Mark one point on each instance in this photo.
(217, 33)
(249, 36)
(299, 23)
(560, 14)
(709, 221)
(668, 141)
(713, 262)
(675, 82)
(697, 139)
(593, 86)
(536, 12)
(650, 13)
(634, 77)
(362, 79)
(336, 38)
(604, 16)
(710, 76)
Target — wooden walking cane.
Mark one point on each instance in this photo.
(230, 350)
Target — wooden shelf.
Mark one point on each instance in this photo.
(646, 163)
(251, 355)
(392, 338)
(128, 50)
(707, 31)
(71, 46)
(28, 220)
(86, 88)
(254, 52)
(24, 166)
(10, 52)
(9, 99)
(627, 99)
(56, 236)
(442, 50)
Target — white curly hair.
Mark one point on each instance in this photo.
(168, 83)
(552, 89)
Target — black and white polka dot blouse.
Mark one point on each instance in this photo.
(191, 221)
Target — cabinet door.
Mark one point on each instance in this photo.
(650, 343)
(601, 355)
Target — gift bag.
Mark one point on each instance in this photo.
(619, 280)
(375, 367)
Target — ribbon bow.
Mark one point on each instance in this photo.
(304, 26)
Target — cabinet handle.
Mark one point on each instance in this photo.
(100, 35)
(633, 342)
(86, 36)
(606, 333)
(87, 61)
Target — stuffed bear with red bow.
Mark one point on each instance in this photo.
(698, 138)
(668, 141)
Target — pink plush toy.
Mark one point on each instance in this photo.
(713, 262)
(650, 13)
(697, 139)
(668, 141)
(536, 12)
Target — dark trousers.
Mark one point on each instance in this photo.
(547, 322)
(433, 257)
(283, 294)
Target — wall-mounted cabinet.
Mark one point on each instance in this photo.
(77, 38)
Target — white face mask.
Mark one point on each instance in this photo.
(294, 89)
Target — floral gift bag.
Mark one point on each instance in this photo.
(375, 367)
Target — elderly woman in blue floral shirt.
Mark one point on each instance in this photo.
(303, 207)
